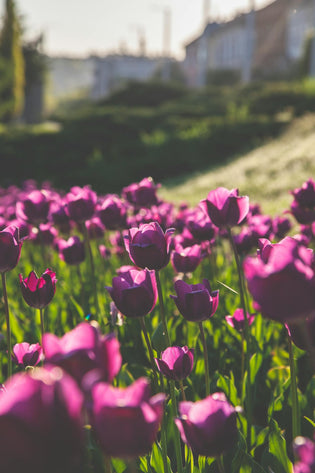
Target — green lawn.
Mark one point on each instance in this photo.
(266, 174)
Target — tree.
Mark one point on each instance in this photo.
(11, 53)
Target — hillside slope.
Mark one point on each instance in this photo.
(265, 174)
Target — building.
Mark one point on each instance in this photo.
(113, 71)
(262, 43)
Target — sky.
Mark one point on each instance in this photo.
(84, 27)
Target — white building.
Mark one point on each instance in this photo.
(115, 70)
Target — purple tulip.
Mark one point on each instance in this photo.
(38, 292)
(112, 213)
(200, 225)
(176, 363)
(71, 251)
(302, 333)
(282, 281)
(148, 246)
(195, 302)
(304, 450)
(186, 260)
(225, 207)
(303, 215)
(126, 421)
(281, 226)
(40, 423)
(142, 194)
(134, 292)
(82, 350)
(208, 426)
(305, 195)
(237, 320)
(10, 248)
(81, 203)
(34, 207)
(25, 354)
(105, 252)
(95, 228)
(45, 234)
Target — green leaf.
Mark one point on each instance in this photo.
(157, 459)
(280, 462)
(158, 338)
(119, 465)
(229, 389)
(310, 421)
(78, 308)
(255, 364)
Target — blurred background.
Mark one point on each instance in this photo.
(107, 92)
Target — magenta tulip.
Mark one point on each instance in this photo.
(225, 207)
(176, 363)
(126, 421)
(25, 354)
(196, 302)
(81, 203)
(38, 292)
(237, 320)
(40, 423)
(304, 451)
(148, 246)
(134, 292)
(71, 251)
(34, 207)
(10, 248)
(282, 280)
(82, 350)
(208, 426)
(186, 260)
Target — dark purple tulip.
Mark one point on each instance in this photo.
(195, 302)
(95, 228)
(45, 234)
(225, 207)
(134, 292)
(82, 350)
(40, 423)
(25, 354)
(176, 362)
(281, 226)
(112, 212)
(200, 225)
(237, 320)
(305, 195)
(186, 260)
(148, 246)
(81, 203)
(71, 251)
(142, 194)
(34, 207)
(282, 282)
(208, 426)
(304, 451)
(10, 248)
(38, 292)
(126, 421)
(303, 215)
(104, 251)
(302, 333)
(260, 226)
(245, 241)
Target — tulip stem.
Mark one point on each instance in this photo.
(247, 336)
(178, 448)
(181, 386)
(42, 328)
(7, 316)
(205, 355)
(162, 309)
(294, 393)
(92, 267)
(108, 465)
(149, 346)
(220, 464)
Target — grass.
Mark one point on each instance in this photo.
(266, 174)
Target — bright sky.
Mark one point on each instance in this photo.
(81, 27)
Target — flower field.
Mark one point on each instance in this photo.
(142, 336)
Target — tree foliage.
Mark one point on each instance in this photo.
(12, 60)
